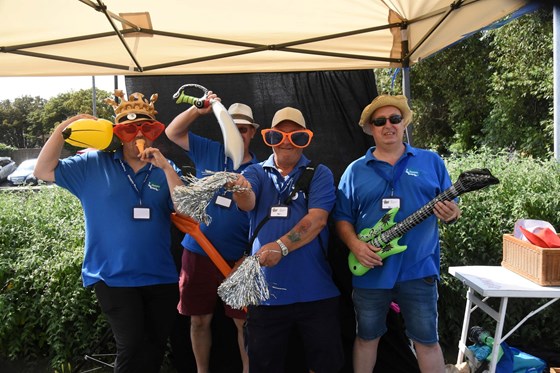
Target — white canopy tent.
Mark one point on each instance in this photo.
(131, 37)
(177, 37)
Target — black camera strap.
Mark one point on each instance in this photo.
(302, 183)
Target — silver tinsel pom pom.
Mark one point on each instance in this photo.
(193, 199)
(246, 286)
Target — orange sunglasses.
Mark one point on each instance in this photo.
(299, 139)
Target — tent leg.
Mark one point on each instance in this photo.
(406, 92)
(556, 74)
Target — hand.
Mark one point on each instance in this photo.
(72, 119)
(269, 255)
(241, 183)
(211, 96)
(447, 211)
(154, 156)
(366, 253)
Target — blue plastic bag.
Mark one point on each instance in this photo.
(506, 364)
(526, 363)
(516, 361)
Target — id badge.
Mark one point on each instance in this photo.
(279, 211)
(223, 201)
(389, 203)
(141, 213)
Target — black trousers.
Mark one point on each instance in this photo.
(269, 329)
(141, 319)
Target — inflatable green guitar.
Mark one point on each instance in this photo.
(386, 233)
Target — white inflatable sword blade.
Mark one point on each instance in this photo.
(233, 142)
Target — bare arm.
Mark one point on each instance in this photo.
(50, 153)
(300, 235)
(178, 129)
(364, 252)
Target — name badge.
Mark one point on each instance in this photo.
(223, 201)
(141, 213)
(279, 211)
(390, 203)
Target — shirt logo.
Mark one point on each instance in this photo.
(153, 186)
(410, 172)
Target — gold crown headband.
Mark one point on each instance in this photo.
(135, 109)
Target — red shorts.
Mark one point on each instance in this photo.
(198, 286)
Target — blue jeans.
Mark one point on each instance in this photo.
(417, 300)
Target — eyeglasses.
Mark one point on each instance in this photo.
(379, 122)
(299, 139)
(127, 132)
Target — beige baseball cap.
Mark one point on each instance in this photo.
(288, 113)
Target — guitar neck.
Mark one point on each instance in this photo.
(416, 218)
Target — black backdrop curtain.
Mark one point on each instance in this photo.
(331, 102)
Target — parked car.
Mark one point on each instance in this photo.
(32, 180)
(7, 166)
(22, 172)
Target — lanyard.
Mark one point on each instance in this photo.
(226, 164)
(133, 184)
(282, 187)
(398, 171)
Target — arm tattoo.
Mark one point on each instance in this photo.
(301, 228)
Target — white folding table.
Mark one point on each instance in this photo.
(485, 282)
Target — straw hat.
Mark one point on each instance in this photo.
(399, 101)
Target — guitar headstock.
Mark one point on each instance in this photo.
(475, 179)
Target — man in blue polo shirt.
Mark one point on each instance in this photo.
(127, 204)
(228, 232)
(291, 247)
(393, 174)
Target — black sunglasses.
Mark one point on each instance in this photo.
(379, 122)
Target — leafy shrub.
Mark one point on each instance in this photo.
(44, 310)
(6, 150)
(528, 188)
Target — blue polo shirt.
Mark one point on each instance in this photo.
(119, 250)
(229, 229)
(422, 177)
(304, 275)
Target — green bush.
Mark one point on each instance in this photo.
(528, 188)
(6, 150)
(44, 310)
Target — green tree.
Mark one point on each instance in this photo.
(521, 85)
(482, 89)
(69, 104)
(448, 92)
(27, 121)
(451, 91)
(18, 119)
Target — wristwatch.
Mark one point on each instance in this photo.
(283, 247)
